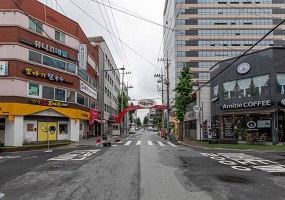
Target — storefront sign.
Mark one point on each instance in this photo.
(50, 76)
(48, 103)
(196, 108)
(82, 56)
(48, 48)
(88, 90)
(3, 68)
(263, 124)
(249, 104)
(94, 114)
(146, 103)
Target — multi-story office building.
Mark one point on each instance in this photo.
(204, 32)
(110, 82)
(47, 91)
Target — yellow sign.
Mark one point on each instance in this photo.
(11, 117)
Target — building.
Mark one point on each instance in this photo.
(110, 82)
(248, 96)
(47, 92)
(208, 31)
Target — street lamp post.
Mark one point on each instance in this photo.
(102, 96)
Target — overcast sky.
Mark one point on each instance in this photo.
(144, 38)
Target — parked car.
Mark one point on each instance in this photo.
(149, 128)
(154, 129)
(132, 131)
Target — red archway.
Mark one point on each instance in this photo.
(136, 107)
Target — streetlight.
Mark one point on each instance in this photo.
(102, 96)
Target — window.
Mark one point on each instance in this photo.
(35, 26)
(53, 62)
(82, 99)
(62, 127)
(48, 92)
(70, 96)
(34, 89)
(59, 94)
(59, 36)
(35, 57)
(71, 67)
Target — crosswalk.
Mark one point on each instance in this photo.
(140, 142)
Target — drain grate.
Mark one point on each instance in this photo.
(278, 173)
(233, 179)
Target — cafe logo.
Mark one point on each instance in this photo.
(251, 124)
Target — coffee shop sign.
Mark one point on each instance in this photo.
(249, 104)
(146, 103)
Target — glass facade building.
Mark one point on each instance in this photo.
(204, 32)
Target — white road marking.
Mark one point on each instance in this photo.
(75, 155)
(2, 195)
(149, 143)
(128, 143)
(160, 143)
(139, 142)
(10, 157)
(171, 144)
(114, 145)
(120, 142)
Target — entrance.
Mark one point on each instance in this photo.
(47, 131)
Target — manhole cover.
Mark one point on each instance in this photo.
(56, 167)
(181, 150)
(233, 179)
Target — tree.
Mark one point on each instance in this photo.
(158, 121)
(131, 113)
(125, 102)
(145, 120)
(138, 122)
(183, 98)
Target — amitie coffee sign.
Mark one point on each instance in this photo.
(146, 103)
(248, 104)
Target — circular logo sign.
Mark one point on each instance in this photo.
(283, 102)
(52, 129)
(243, 68)
(251, 124)
(228, 125)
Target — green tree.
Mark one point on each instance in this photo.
(131, 113)
(125, 102)
(183, 98)
(138, 122)
(145, 120)
(158, 121)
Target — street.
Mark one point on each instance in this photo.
(141, 166)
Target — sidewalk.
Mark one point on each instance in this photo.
(189, 142)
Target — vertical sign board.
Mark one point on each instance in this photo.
(3, 68)
(82, 56)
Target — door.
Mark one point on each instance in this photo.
(47, 131)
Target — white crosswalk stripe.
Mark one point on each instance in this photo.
(160, 143)
(139, 142)
(149, 143)
(171, 144)
(128, 143)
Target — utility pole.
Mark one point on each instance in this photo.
(122, 98)
(161, 79)
(167, 88)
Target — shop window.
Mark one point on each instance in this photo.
(34, 89)
(59, 94)
(70, 96)
(229, 89)
(2, 124)
(71, 68)
(62, 127)
(260, 85)
(35, 26)
(243, 88)
(280, 83)
(59, 36)
(49, 61)
(82, 99)
(48, 92)
(35, 57)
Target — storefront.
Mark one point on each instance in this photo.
(248, 100)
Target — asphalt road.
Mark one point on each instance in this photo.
(142, 166)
